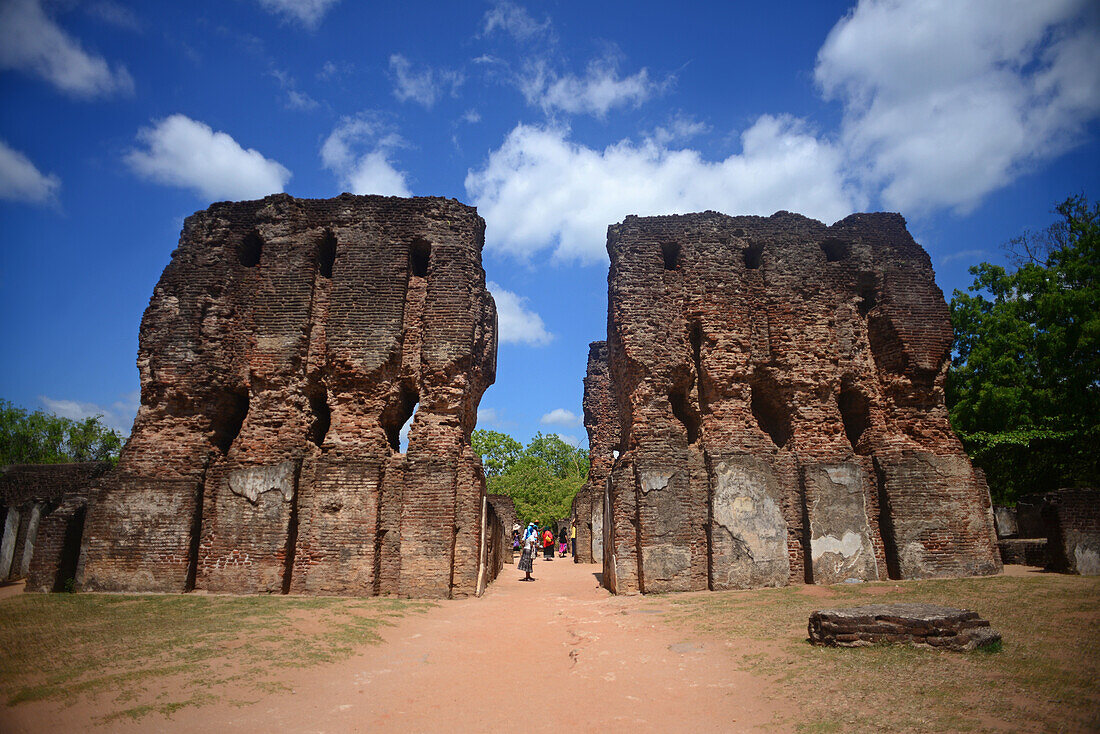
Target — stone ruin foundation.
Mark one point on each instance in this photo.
(919, 625)
(601, 420)
(285, 346)
(779, 387)
(42, 513)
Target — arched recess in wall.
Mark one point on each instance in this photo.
(770, 408)
(317, 394)
(855, 412)
(420, 258)
(230, 411)
(835, 250)
(326, 254)
(670, 255)
(754, 255)
(398, 413)
(251, 249)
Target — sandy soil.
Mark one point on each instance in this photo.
(559, 649)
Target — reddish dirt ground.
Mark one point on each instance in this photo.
(558, 652)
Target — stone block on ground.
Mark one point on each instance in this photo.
(920, 625)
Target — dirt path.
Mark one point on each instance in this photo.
(560, 649)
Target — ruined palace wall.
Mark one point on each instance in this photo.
(284, 347)
(601, 420)
(780, 387)
(44, 509)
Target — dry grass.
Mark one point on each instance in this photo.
(157, 654)
(1045, 678)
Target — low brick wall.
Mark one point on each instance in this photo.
(1072, 521)
(920, 625)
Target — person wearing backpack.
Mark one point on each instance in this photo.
(548, 544)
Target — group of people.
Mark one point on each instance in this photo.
(534, 538)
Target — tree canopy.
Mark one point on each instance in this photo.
(541, 478)
(1024, 390)
(44, 438)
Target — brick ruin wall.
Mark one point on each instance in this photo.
(285, 346)
(505, 509)
(601, 420)
(42, 513)
(1072, 521)
(780, 390)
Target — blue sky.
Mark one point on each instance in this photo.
(556, 119)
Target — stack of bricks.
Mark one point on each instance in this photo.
(780, 384)
(285, 346)
(601, 420)
(44, 508)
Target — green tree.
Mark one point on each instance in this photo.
(541, 478)
(44, 438)
(499, 451)
(1024, 391)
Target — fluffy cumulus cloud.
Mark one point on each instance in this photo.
(946, 101)
(358, 151)
(32, 42)
(560, 417)
(119, 416)
(179, 151)
(20, 180)
(516, 323)
(540, 190)
(600, 90)
(306, 12)
(423, 86)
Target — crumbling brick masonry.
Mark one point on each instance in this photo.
(285, 346)
(601, 420)
(780, 389)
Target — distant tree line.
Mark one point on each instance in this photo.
(541, 478)
(1024, 388)
(44, 438)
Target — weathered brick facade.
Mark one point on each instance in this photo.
(780, 389)
(44, 508)
(1072, 521)
(601, 420)
(505, 509)
(283, 349)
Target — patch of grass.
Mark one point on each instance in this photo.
(1045, 675)
(147, 651)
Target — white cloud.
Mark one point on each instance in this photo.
(423, 87)
(20, 179)
(540, 190)
(516, 324)
(295, 98)
(513, 20)
(471, 117)
(306, 12)
(119, 416)
(560, 417)
(32, 42)
(569, 439)
(184, 152)
(115, 14)
(369, 172)
(600, 90)
(946, 101)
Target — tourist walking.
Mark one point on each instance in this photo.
(573, 538)
(527, 560)
(562, 533)
(548, 544)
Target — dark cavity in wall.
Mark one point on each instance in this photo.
(322, 414)
(754, 253)
(252, 247)
(683, 411)
(855, 411)
(230, 412)
(291, 532)
(420, 257)
(886, 524)
(397, 414)
(834, 249)
(770, 409)
(326, 254)
(70, 551)
(868, 296)
(670, 254)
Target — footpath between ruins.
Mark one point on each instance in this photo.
(557, 654)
